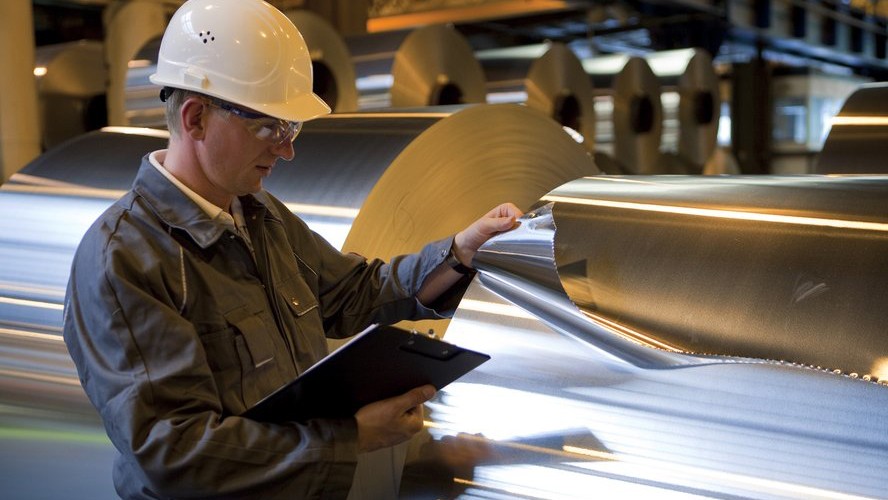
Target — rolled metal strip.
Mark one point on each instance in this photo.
(520, 267)
(417, 68)
(460, 168)
(776, 268)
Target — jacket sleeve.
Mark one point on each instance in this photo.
(144, 368)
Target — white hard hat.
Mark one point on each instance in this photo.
(242, 51)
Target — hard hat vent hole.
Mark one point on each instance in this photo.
(207, 36)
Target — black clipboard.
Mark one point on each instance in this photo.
(379, 363)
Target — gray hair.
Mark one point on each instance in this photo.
(174, 99)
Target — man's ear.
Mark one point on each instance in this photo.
(193, 114)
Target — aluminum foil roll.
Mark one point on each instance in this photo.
(435, 66)
(637, 118)
(547, 77)
(458, 169)
(558, 86)
(698, 269)
(699, 109)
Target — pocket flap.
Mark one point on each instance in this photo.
(255, 335)
(298, 296)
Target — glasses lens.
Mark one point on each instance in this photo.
(274, 131)
(263, 127)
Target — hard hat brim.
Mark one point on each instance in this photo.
(302, 108)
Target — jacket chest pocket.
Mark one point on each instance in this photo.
(301, 317)
(261, 352)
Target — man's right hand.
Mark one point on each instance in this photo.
(392, 421)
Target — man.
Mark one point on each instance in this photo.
(198, 293)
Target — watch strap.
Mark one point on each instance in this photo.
(456, 265)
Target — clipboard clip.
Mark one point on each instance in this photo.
(429, 346)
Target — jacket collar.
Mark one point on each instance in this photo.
(175, 209)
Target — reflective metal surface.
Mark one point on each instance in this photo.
(855, 144)
(785, 268)
(591, 390)
(549, 417)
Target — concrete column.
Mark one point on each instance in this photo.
(19, 122)
(129, 25)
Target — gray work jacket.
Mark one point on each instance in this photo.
(175, 330)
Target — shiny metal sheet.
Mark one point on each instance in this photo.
(548, 417)
(769, 268)
(589, 390)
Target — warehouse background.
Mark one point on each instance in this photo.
(780, 70)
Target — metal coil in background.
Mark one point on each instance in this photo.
(689, 101)
(429, 66)
(637, 119)
(71, 79)
(547, 77)
(699, 110)
(856, 141)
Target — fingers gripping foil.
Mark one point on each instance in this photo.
(520, 266)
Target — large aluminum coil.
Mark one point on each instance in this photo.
(637, 119)
(687, 269)
(636, 326)
(856, 141)
(699, 110)
(429, 66)
(71, 79)
(547, 77)
(690, 105)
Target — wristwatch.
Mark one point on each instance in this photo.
(456, 265)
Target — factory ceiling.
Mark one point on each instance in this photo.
(831, 35)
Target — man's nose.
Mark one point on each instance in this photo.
(284, 150)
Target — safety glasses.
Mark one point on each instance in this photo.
(264, 127)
